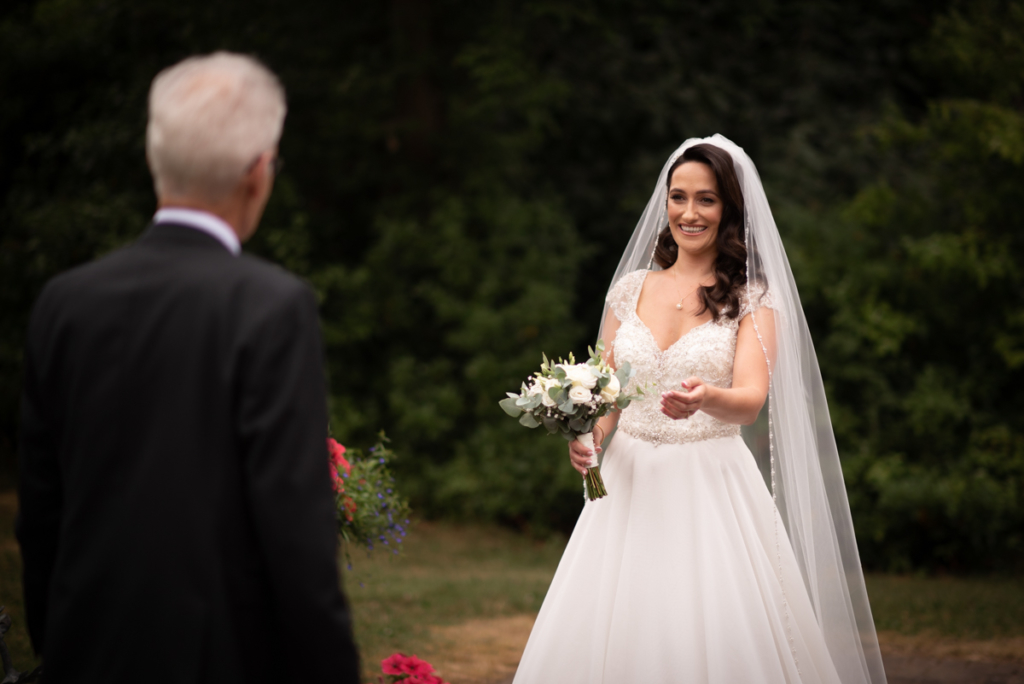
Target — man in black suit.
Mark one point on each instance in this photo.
(176, 515)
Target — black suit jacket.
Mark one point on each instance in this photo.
(176, 515)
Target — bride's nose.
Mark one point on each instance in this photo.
(689, 214)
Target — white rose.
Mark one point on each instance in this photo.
(545, 384)
(579, 375)
(580, 395)
(610, 392)
(536, 388)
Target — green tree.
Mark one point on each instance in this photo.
(924, 343)
(461, 180)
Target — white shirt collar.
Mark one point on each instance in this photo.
(201, 220)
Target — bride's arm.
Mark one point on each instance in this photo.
(741, 403)
(579, 455)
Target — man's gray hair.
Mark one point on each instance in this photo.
(210, 117)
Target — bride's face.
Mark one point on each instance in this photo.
(694, 208)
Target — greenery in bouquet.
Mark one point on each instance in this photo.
(568, 398)
(370, 510)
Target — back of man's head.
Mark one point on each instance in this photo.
(210, 118)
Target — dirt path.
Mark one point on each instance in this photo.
(487, 652)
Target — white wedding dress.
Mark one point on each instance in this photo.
(681, 574)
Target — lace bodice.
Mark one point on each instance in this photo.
(706, 351)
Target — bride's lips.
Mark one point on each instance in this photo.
(692, 230)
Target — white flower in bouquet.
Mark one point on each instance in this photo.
(572, 388)
(580, 395)
(610, 392)
(545, 385)
(580, 375)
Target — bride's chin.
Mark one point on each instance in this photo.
(694, 246)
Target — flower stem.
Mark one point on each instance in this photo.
(595, 484)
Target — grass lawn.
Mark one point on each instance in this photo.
(446, 575)
(957, 607)
(450, 575)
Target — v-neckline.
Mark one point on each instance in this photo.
(636, 315)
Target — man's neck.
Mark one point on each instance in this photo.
(229, 212)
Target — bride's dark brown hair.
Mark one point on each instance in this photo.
(731, 263)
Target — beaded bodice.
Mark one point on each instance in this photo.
(706, 351)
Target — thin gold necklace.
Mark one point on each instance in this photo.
(679, 306)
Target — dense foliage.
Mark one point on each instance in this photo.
(462, 177)
(924, 342)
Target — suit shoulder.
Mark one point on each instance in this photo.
(75, 280)
(271, 274)
(271, 284)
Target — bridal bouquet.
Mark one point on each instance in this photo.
(568, 398)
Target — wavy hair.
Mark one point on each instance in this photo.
(731, 263)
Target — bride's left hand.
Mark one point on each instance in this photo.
(678, 405)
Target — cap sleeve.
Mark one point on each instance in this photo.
(623, 295)
(754, 297)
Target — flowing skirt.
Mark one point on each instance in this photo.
(674, 577)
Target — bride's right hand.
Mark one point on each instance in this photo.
(582, 457)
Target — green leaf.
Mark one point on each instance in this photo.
(529, 421)
(510, 406)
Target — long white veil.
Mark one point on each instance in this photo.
(803, 461)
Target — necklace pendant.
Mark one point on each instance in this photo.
(679, 306)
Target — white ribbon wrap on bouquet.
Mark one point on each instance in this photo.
(587, 440)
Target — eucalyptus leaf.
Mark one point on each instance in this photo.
(529, 421)
(510, 407)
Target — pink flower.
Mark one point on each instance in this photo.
(418, 671)
(424, 679)
(393, 664)
(337, 463)
(418, 668)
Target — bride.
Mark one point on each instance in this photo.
(697, 567)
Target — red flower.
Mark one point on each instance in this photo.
(392, 665)
(349, 507)
(337, 463)
(420, 671)
(418, 668)
(423, 679)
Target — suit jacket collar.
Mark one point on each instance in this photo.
(175, 235)
(200, 220)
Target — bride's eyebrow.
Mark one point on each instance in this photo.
(699, 192)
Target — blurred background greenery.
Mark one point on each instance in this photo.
(462, 178)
